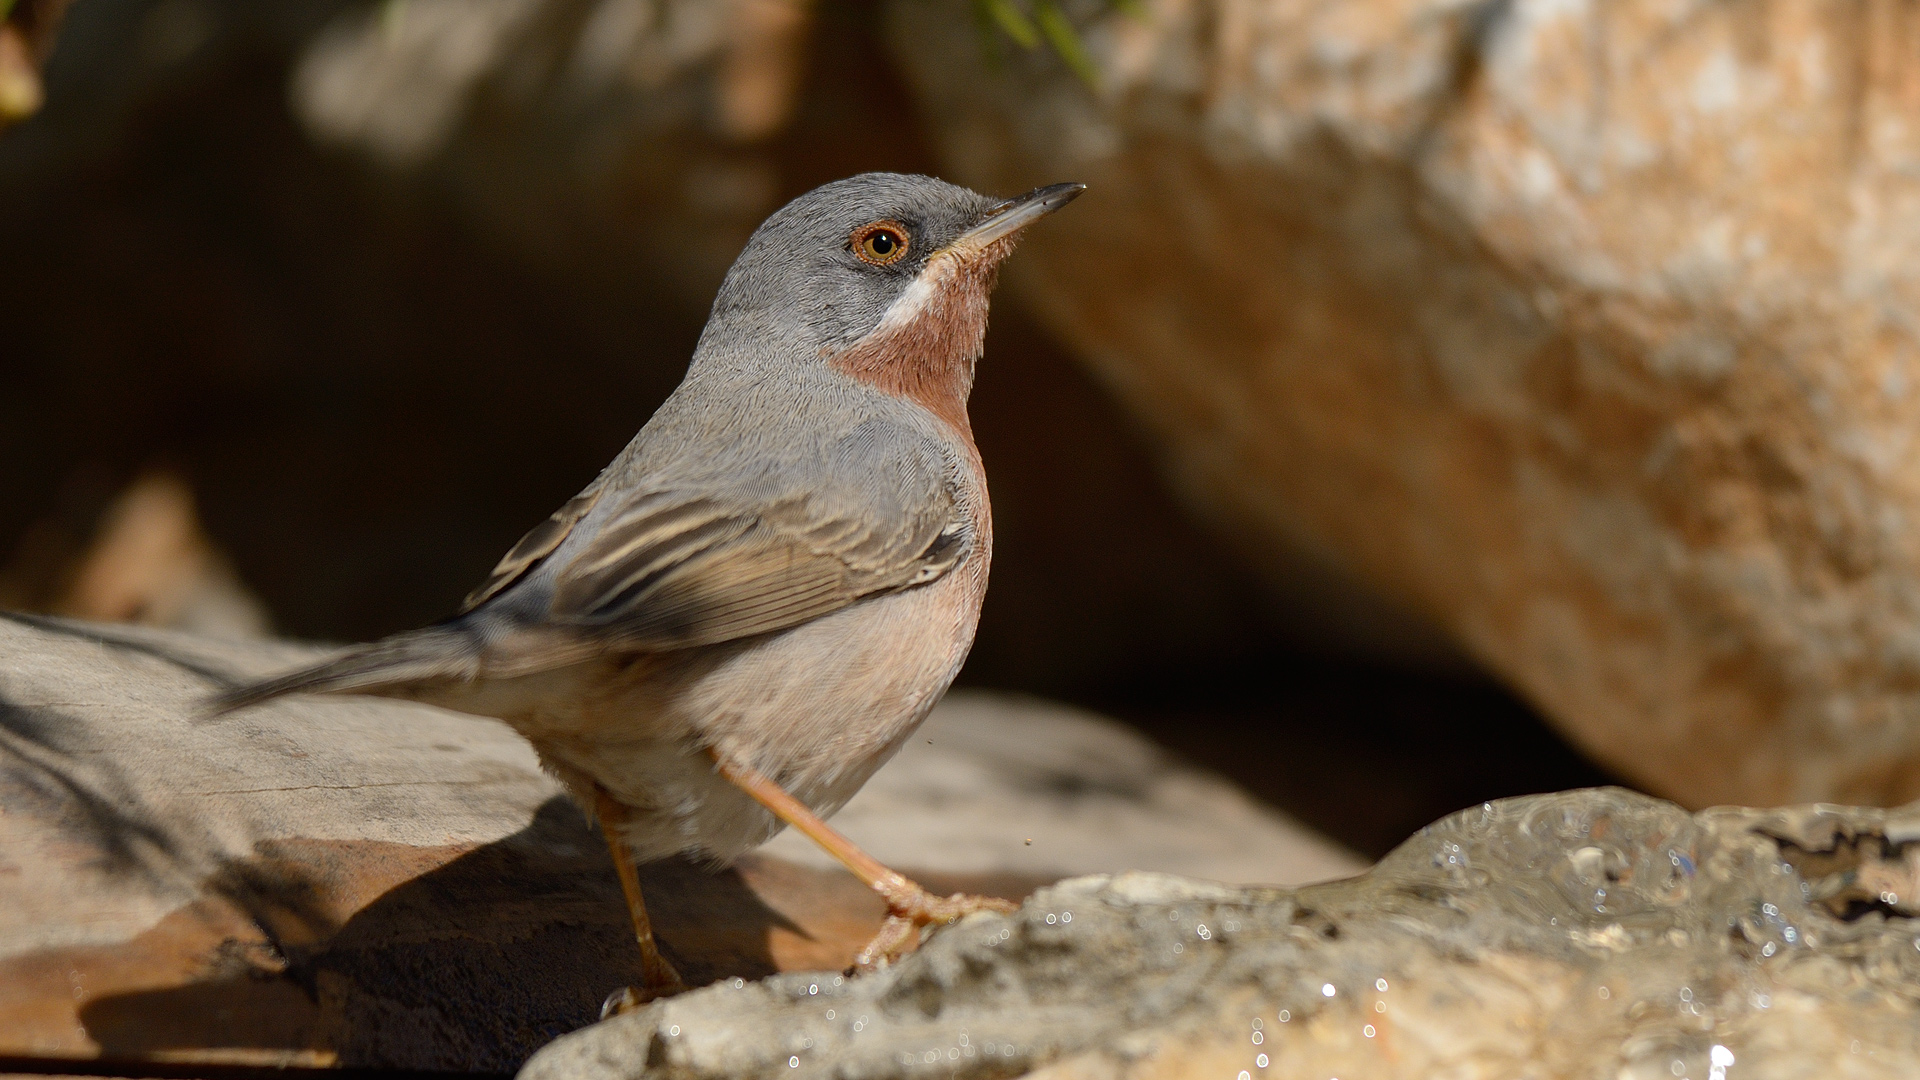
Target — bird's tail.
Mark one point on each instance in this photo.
(433, 654)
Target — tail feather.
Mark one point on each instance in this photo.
(436, 653)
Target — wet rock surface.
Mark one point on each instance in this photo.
(1585, 331)
(377, 884)
(1587, 934)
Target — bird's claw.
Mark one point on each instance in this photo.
(628, 998)
(906, 917)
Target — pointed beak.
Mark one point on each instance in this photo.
(1015, 214)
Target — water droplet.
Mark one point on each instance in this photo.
(1767, 949)
(1258, 1038)
(1256, 1023)
(1260, 1060)
(1379, 1006)
(1605, 993)
(1720, 1056)
(1327, 990)
(829, 1014)
(1052, 918)
(1380, 985)
(1285, 1016)
(793, 1062)
(1678, 1068)
(674, 1030)
(813, 988)
(1205, 934)
(1367, 1031)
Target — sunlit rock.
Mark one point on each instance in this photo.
(1587, 331)
(1589, 934)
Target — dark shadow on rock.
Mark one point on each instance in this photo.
(131, 640)
(91, 801)
(470, 966)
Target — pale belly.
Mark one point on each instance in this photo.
(817, 708)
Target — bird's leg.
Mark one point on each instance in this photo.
(909, 906)
(658, 979)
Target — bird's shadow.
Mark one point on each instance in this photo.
(471, 966)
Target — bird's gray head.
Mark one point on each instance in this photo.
(882, 276)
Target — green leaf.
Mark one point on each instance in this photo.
(1065, 41)
(1011, 21)
(987, 31)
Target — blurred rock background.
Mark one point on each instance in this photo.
(1402, 350)
(1587, 330)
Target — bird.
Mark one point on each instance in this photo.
(764, 594)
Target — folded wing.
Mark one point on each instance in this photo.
(668, 568)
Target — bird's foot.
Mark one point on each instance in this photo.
(628, 998)
(658, 980)
(912, 908)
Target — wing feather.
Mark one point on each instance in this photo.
(541, 541)
(677, 577)
(671, 566)
(686, 564)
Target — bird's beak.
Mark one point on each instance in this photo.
(1013, 215)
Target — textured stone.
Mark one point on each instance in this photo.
(1587, 935)
(1587, 331)
(379, 884)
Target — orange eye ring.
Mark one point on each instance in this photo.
(880, 243)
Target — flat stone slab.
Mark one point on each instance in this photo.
(352, 881)
(1591, 934)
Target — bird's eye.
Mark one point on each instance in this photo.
(880, 243)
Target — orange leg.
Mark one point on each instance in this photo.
(909, 907)
(659, 978)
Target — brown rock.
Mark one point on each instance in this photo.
(28, 29)
(149, 562)
(1586, 331)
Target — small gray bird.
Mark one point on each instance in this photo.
(766, 592)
